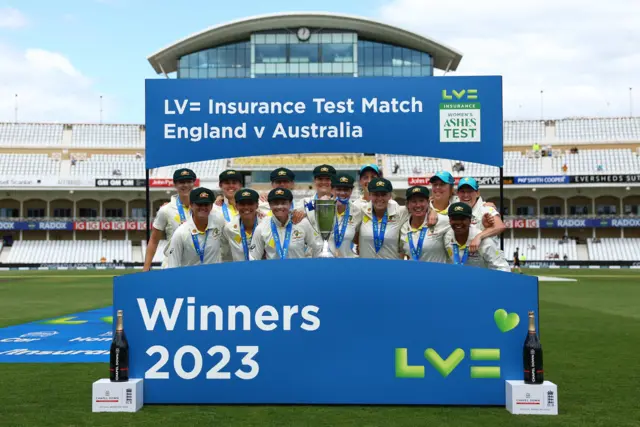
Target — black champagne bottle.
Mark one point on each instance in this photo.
(532, 354)
(119, 354)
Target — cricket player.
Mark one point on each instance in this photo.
(322, 176)
(379, 235)
(240, 230)
(280, 178)
(277, 237)
(229, 181)
(420, 242)
(171, 215)
(469, 193)
(348, 217)
(198, 240)
(458, 238)
(367, 173)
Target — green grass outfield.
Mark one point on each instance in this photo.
(590, 335)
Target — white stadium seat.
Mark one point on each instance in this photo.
(69, 251)
(620, 129)
(543, 247)
(524, 132)
(30, 134)
(107, 136)
(12, 164)
(586, 162)
(104, 165)
(614, 249)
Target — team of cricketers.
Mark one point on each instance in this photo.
(442, 225)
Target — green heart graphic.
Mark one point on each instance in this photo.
(445, 367)
(506, 321)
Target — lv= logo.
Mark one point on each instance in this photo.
(504, 321)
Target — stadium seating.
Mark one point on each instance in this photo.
(107, 136)
(104, 165)
(69, 251)
(303, 161)
(158, 256)
(543, 248)
(413, 166)
(12, 164)
(592, 130)
(207, 169)
(587, 161)
(524, 132)
(614, 249)
(30, 134)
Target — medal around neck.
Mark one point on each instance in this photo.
(325, 218)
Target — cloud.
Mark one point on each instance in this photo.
(582, 54)
(11, 18)
(49, 88)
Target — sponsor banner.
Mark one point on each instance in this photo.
(74, 338)
(455, 118)
(165, 183)
(36, 225)
(111, 182)
(46, 181)
(110, 225)
(324, 343)
(594, 179)
(482, 181)
(540, 180)
(521, 223)
(590, 222)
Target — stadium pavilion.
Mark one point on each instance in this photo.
(75, 192)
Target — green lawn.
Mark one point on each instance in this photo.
(590, 335)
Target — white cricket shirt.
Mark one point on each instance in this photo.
(433, 249)
(488, 254)
(233, 237)
(182, 251)
(392, 246)
(302, 234)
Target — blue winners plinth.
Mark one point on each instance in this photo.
(318, 331)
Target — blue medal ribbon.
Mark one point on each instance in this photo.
(225, 211)
(183, 217)
(378, 236)
(196, 245)
(243, 235)
(417, 252)
(338, 235)
(456, 254)
(284, 249)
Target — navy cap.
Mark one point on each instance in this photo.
(282, 173)
(460, 209)
(468, 181)
(324, 170)
(280, 194)
(201, 196)
(417, 190)
(342, 180)
(247, 194)
(380, 185)
(183, 175)
(230, 174)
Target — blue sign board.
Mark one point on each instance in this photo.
(448, 117)
(346, 331)
(73, 338)
(36, 225)
(538, 180)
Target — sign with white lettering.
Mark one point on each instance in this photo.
(194, 120)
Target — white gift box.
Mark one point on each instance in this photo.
(117, 396)
(531, 399)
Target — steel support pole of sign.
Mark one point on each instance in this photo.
(501, 207)
(148, 206)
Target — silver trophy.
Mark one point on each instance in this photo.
(325, 218)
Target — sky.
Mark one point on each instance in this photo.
(66, 59)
